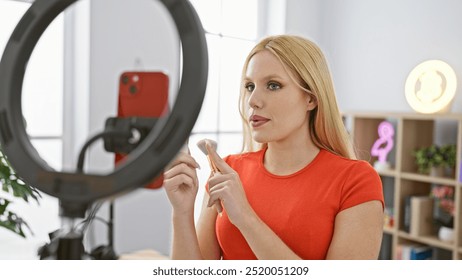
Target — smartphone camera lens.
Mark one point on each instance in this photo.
(133, 89)
(125, 79)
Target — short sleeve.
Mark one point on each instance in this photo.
(363, 184)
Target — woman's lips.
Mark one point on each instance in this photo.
(257, 121)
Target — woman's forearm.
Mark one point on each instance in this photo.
(265, 244)
(185, 243)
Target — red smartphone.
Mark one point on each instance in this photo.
(143, 94)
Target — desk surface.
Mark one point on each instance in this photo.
(144, 255)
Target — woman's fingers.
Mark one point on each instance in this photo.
(219, 162)
(218, 206)
(180, 169)
(178, 180)
(217, 178)
(222, 186)
(183, 164)
(183, 157)
(215, 193)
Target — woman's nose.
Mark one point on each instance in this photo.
(255, 99)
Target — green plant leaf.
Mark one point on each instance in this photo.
(4, 185)
(12, 222)
(14, 185)
(3, 205)
(434, 156)
(4, 171)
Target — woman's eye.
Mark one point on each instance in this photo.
(274, 86)
(249, 87)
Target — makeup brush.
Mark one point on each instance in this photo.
(202, 146)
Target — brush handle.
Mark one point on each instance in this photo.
(214, 169)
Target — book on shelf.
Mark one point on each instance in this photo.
(421, 221)
(421, 253)
(418, 215)
(407, 213)
(412, 251)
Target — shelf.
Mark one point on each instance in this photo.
(388, 230)
(411, 131)
(389, 173)
(429, 240)
(428, 179)
(409, 116)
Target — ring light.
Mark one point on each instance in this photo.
(431, 87)
(77, 191)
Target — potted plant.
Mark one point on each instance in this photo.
(13, 185)
(448, 153)
(427, 158)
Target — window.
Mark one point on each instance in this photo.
(231, 31)
(43, 82)
(42, 105)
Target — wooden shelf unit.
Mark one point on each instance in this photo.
(412, 131)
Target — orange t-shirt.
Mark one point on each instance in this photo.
(300, 208)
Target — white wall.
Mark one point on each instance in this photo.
(373, 45)
(304, 17)
(129, 35)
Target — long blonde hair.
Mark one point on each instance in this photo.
(308, 67)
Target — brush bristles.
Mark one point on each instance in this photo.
(201, 144)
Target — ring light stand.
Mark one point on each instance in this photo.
(76, 191)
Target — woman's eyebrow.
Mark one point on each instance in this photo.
(266, 78)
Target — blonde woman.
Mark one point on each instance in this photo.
(297, 192)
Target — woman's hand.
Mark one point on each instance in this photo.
(181, 183)
(226, 186)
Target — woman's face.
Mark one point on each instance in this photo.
(278, 108)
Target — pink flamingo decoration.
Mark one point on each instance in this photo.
(384, 144)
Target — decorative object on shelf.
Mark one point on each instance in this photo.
(449, 159)
(427, 158)
(13, 185)
(439, 161)
(388, 219)
(383, 145)
(431, 87)
(446, 234)
(443, 214)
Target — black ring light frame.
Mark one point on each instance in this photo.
(76, 191)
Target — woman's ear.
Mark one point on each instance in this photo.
(311, 102)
